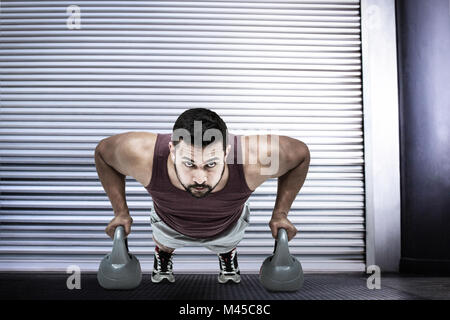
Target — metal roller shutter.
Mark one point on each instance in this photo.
(292, 68)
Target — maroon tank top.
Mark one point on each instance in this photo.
(198, 217)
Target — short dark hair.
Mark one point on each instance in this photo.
(209, 120)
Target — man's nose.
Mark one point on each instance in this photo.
(200, 178)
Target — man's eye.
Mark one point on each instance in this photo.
(188, 164)
(211, 165)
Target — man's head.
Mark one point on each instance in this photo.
(199, 149)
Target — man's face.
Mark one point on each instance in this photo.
(199, 170)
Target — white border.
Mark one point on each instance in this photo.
(381, 133)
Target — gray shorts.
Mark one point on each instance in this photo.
(223, 243)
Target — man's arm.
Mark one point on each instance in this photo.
(112, 180)
(293, 163)
(116, 157)
(290, 182)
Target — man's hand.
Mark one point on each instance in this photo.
(124, 220)
(280, 220)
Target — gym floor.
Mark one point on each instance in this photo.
(340, 286)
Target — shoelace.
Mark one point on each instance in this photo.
(164, 261)
(227, 261)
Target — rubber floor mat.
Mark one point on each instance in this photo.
(196, 287)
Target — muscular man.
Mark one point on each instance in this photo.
(200, 186)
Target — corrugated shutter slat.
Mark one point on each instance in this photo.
(291, 67)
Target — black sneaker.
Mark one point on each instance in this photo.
(162, 266)
(229, 269)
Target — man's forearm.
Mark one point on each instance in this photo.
(289, 186)
(114, 184)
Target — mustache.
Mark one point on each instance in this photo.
(198, 186)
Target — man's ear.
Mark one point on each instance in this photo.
(172, 150)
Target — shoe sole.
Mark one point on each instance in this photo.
(162, 279)
(226, 280)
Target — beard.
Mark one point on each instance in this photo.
(207, 189)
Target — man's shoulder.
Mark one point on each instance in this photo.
(256, 148)
(251, 145)
(141, 146)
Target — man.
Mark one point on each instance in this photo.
(200, 178)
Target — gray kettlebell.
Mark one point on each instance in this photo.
(281, 271)
(119, 269)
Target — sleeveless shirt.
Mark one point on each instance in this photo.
(198, 217)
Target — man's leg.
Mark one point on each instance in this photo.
(225, 248)
(162, 263)
(163, 247)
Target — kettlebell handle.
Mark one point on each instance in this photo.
(282, 235)
(119, 254)
(281, 254)
(119, 233)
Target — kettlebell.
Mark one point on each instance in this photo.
(119, 269)
(281, 271)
